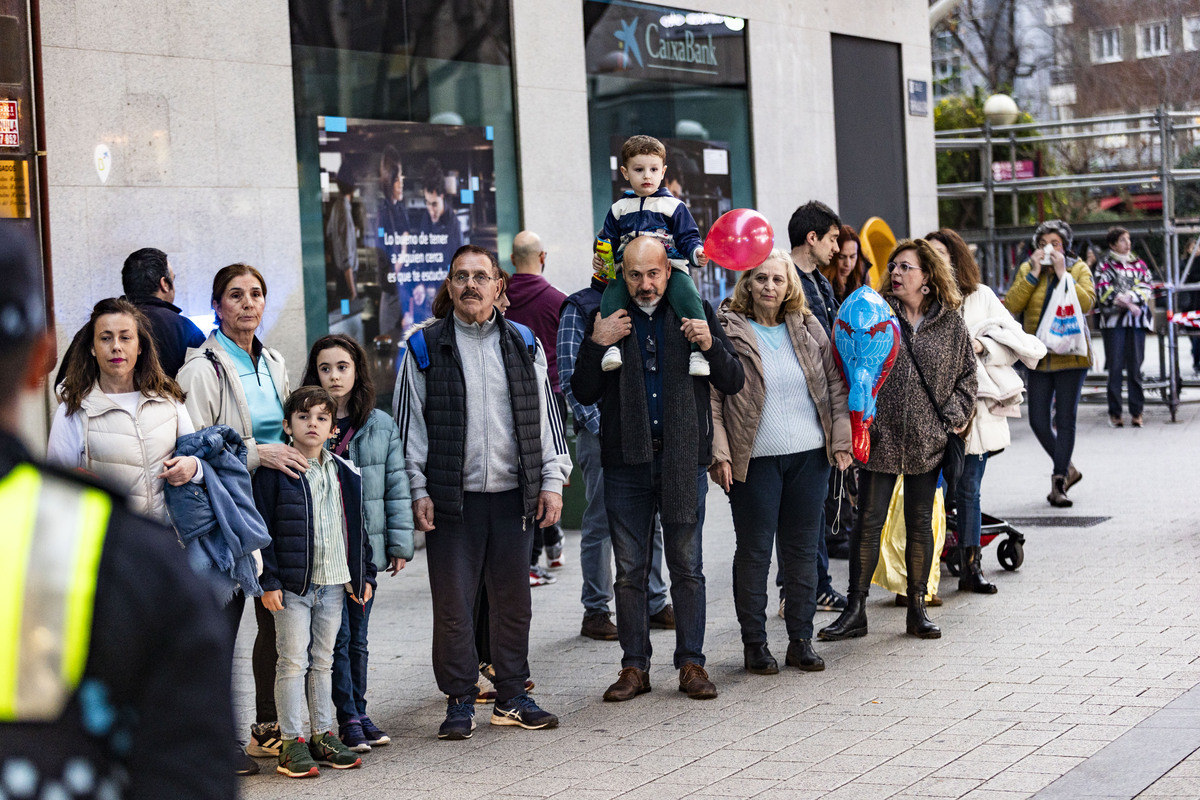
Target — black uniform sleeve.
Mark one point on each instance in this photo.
(727, 374)
(164, 649)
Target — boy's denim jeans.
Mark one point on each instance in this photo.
(307, 627)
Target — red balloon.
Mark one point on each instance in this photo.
(740, 239)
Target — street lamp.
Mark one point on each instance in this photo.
(1000, 109)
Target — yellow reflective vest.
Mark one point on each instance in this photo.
(51, 539)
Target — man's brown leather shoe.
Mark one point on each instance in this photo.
(630, 683)
(694, 680)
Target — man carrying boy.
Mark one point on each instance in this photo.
(486, 459)
(656, 445)
(319, 553)
(648, 209)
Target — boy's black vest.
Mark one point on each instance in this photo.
(446, 414)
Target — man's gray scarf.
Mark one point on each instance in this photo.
(680, 434)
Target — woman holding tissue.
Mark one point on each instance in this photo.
(1058, 379)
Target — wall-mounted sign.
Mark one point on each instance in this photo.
(10, 133)
(918, 98)
(14, 189)
(664, 44)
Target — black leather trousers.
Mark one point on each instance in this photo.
(874, 496)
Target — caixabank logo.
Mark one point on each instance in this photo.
(686, 53)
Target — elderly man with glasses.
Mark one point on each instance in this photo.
(486, 458)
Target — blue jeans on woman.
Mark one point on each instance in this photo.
(970, 514)
(1124, 349)
(350, 662)
(1060, 389)
(782, 496)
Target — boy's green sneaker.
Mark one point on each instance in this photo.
(329, 750)
(295, 761)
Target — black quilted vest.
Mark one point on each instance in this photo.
(446, 417)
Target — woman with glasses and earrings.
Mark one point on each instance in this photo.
(776, 439)
(928, 397)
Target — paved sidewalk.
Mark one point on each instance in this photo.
(1096, 632)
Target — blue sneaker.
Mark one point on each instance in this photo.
(460, 719)
(353, 737)
(374, 735)
(522, 711)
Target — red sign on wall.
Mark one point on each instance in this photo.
(10, 135)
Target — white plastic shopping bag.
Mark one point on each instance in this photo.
(1062, 327)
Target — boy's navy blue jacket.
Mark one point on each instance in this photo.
(286, 504)
(661, 215)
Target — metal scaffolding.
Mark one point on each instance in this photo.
(1164, 134)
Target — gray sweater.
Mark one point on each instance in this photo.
(490, 462)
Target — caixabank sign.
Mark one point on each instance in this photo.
(664, 44)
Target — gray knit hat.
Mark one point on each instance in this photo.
(1053, 226)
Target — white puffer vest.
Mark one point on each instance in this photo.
(129, 452)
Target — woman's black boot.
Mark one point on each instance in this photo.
(919, 624)
(801, 654)
(853, 621)
(759, 660)
(971, 572)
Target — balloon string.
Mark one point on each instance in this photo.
(841, 486)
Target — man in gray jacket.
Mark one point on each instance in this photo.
(486, 459)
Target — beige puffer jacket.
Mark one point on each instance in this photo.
(129, 452)
(735, 417)
(215, 395)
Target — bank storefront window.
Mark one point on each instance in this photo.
(679, 76)
(406, 149)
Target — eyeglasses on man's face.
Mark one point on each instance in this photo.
(477, 278)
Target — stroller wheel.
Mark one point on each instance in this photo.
(1011, 554)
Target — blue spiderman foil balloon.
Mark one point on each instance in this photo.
(866, 338)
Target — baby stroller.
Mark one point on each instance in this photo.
(1010, 552)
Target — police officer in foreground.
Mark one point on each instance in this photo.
(114, 666)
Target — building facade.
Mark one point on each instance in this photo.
(227, 131)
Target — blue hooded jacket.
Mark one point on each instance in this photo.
(217, 521)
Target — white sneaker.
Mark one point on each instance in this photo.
(698, 365)
(612, 359)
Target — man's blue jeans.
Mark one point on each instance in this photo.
(781, 500)
(970, 519)
(350, 662)
(305, 630)
(634, 495)
(595, 545)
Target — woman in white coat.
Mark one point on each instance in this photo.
(120, 413)
(999, 342)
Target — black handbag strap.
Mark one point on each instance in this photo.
(924, 384)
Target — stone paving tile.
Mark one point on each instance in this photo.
(1089, 638)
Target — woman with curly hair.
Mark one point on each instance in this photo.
(928, 397)
(120, 413)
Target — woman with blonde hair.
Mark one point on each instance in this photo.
(773, 440)
(928, 397)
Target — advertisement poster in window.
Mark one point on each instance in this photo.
(698, 174)
(397, 199)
